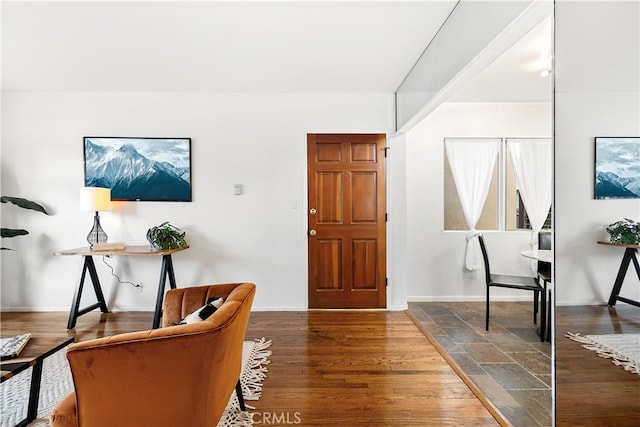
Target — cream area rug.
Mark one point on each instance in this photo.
(622, 349)
(57, 383)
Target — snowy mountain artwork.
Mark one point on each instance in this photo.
(145, 169)
(617, 168)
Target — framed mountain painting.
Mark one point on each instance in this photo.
(617, 167)
(139, 169)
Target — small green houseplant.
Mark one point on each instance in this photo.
(166, 236)
(625, 232)
(24, 204)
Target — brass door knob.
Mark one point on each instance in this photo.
(312, 232)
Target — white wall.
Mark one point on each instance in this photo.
(597, 72)
(436, 257)
(397, 259)
(257, 140)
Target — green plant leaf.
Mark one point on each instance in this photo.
(24, 203)
(166, 236)
(625, 231)
(12, 232)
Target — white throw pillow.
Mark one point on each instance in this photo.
(203, 312)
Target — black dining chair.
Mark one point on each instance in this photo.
(513, 282)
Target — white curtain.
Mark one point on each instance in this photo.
(533, 168)
(472, 163)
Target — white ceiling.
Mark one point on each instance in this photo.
(216, 46)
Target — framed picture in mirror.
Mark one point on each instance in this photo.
(617, 167)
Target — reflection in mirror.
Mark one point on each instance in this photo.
(597, 93)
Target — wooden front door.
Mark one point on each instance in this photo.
(347, 225)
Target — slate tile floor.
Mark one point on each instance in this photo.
(509, 363)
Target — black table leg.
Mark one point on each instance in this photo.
(629, 256)
(34, 395)
(36, 379)
(166, 270)
(75, 305)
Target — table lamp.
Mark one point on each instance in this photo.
(95, 199)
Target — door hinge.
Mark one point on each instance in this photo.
(386, 150)
(386, 217)
(386, 281)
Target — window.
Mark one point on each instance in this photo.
(503, 208)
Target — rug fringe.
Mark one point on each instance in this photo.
(237, 419)
(252, 378)
(604, 352)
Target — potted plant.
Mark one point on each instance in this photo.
(24, 204)
(624, 232)
(166, 236)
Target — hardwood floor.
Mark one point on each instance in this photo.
(335, 368)
(377, 369)
(361, 369)
(590, 390)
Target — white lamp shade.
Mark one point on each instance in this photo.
(95, 199)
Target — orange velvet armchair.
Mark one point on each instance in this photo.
(173, 376)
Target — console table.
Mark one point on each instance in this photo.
(166, 270)
(630, 255)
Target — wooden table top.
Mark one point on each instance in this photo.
(619, 244)
(144, 250)
(36, 349)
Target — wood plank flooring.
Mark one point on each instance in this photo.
(335, 368)
(360, 369)
(590, 390)
(376, 368)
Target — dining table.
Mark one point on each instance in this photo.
(543, 255)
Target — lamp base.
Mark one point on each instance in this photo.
(97, 234)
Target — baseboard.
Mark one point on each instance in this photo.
(462, 298)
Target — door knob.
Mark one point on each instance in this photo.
(312, 232)
(312, 211)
